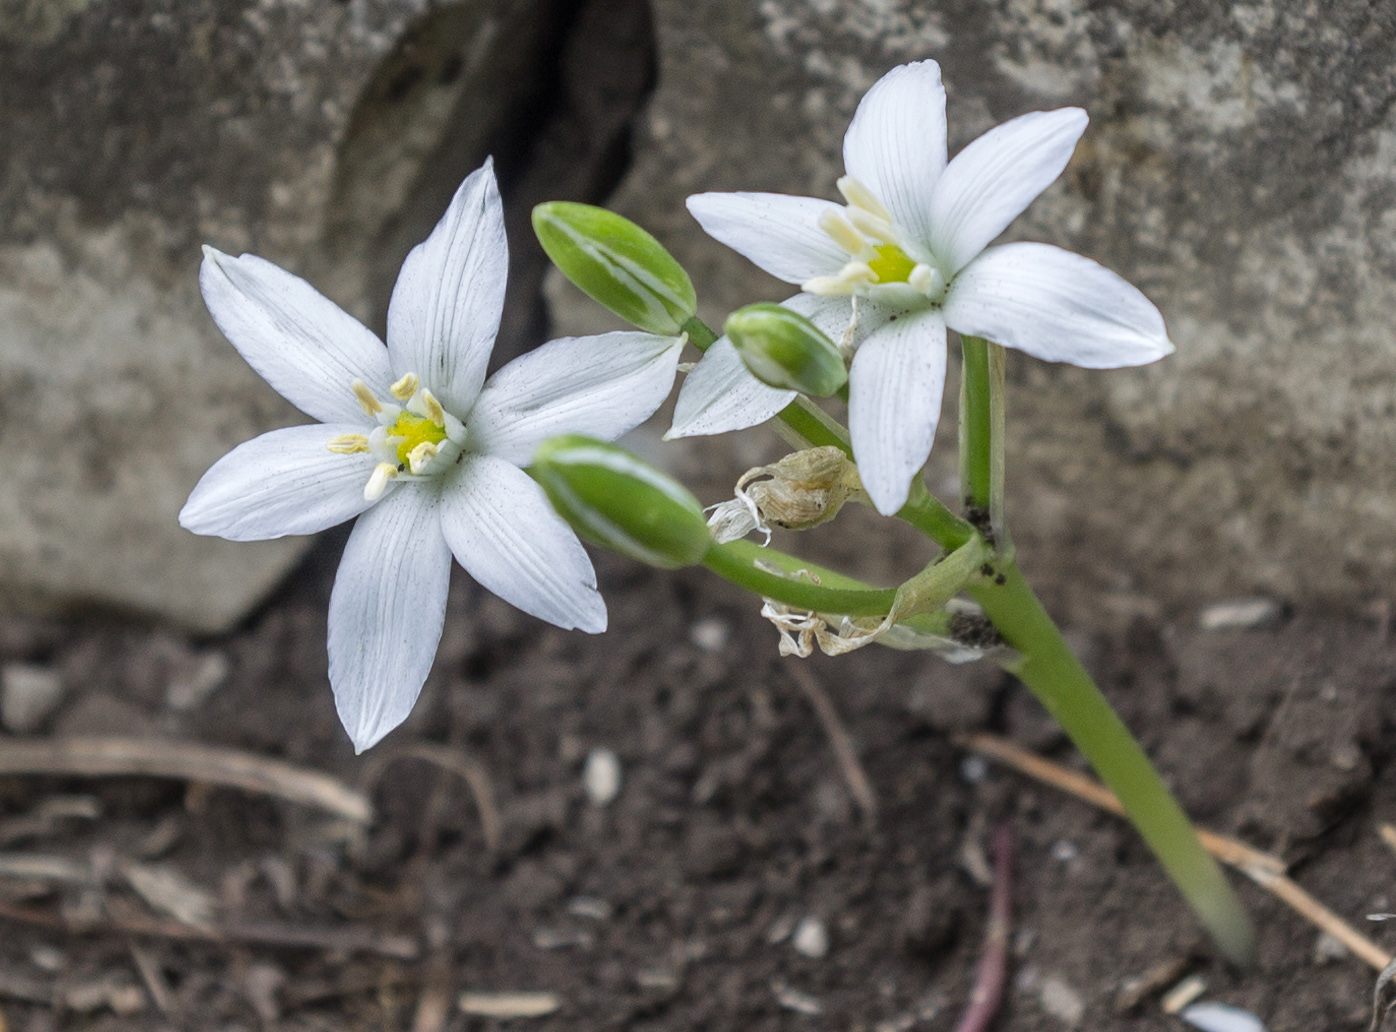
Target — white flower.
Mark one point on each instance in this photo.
(904, 259)
(415, 439)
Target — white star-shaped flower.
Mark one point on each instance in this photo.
(905, 258)
(415, 442)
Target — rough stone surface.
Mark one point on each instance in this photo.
(327, 137)
(1240, 167)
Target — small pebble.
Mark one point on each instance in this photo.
(780, 929)
(811, 938)
(590, 906)
(710, 633)
(974, 769)
(1328, 948)
(1064, 851)
(1061, 1001)
(561, 938)
(28, 696)
(48, 958)
(601, 777)
(1239, 614)
(794, 1000)
(1218, 1017)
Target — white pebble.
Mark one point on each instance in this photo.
(974, 769)
(1061, 1001)
(601, 776)
(1218, 1017)
(710, 633)
(794, 1000)
(1239, 614)
(811, 938)
(28, 695)
(1064, 851)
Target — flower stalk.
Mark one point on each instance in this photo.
(1046, 664)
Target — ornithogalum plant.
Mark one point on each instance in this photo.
(437, 461)
(882, 278)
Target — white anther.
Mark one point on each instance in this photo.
(405, 388)
(378, 481)
(832, 221)
(859, 196)
(371, 405)
(420, 456)
(871, 225)
(348, 444)
(926, 279)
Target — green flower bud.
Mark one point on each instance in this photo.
(617, 264)
(785, 350)
(613, 499)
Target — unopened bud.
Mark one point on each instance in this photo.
(617, 264)
(613, 499)
(785, 350)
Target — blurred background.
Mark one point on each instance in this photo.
(1240, 167)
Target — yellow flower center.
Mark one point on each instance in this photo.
(892, 264)
(414, 431)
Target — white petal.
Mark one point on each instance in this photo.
(386, 612)
(505, 533)
(284, 482)
(602, 386)
(895, 145)
(1056, 306)
(308, 348)
(780, 234)
(445, 309)
(990, 182)
(721, 395)
(894, 392)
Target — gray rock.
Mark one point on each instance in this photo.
(325, 136)
(1240, 167)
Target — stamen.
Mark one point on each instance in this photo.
(859, 196)
(371, 405)
(378, 481)
(926, 280)
(848, 280)
(832, 221)
(419, 456)
(348, 444)
(871, 225)
(405, 388)
(432, 408)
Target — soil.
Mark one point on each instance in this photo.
(674, 907)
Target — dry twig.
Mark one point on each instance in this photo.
(1265, 870)
(351, 939)
(146, 757)
(859, 787)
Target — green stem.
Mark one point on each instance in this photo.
(976, 423)
(734, 561)
(928, 514)
(1048, 667)
(699, 335)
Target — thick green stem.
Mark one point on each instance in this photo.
(735, 561)
(1048, 667)
(699, 335)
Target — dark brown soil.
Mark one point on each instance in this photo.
(665, 910)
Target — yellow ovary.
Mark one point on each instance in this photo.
(892, 264)
(413, 431)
